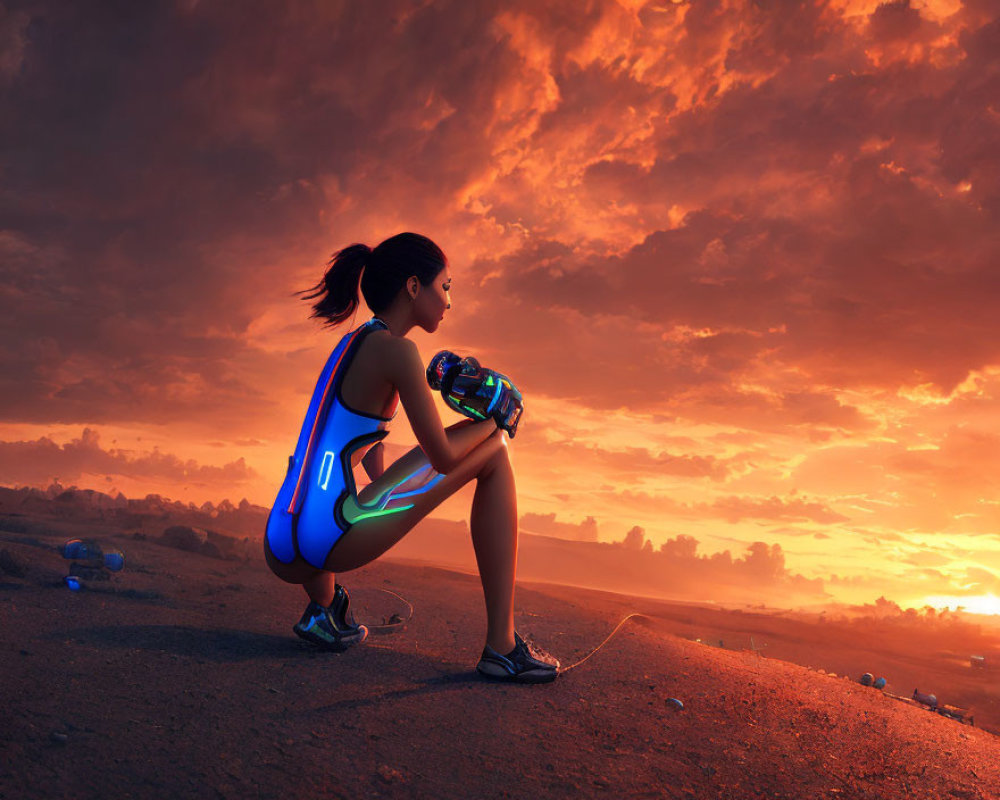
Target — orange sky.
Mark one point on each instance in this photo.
(739, 257)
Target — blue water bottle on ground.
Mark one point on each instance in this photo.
(90, 553)
(90, 562)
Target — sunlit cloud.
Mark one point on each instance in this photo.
(739, 257)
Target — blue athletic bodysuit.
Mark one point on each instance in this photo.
(318, 500)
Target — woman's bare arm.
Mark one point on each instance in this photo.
(408, 374)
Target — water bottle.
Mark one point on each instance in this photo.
(88, 553)
(90, 562)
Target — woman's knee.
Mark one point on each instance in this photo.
(499, 458)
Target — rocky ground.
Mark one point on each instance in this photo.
(180, 677)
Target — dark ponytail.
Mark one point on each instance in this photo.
(338, 291)
(386, 269)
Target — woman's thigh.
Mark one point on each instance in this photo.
(369, 538)
(298, 571)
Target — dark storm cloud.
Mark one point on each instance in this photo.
(895, 20)
(713, 212)
(12, 43)
(163, 164)
(135, 236)
(832, 212)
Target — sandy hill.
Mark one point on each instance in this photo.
(179, 677)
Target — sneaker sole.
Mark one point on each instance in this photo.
(337, 646)
(502, 675)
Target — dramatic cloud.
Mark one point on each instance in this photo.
(674, 570)
(733, 253)
(546, 525)
(734, 509)
(42, 461)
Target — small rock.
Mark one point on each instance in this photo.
(210, 549)
(11, 565)
(184, 537)
(390, 775)
(59, 738)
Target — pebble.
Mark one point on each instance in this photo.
(59, 738)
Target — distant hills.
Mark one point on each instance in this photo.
(674, 570)
(240, 520)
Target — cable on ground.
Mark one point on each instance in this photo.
(564, 670)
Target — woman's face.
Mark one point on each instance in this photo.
(433, 301)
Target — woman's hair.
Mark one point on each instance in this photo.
(386, 269)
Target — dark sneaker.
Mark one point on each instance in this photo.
(524, 664)
(331, 628)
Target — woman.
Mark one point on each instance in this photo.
(321, 525)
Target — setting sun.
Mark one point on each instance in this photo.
(975, 604)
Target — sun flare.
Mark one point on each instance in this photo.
(973, 604)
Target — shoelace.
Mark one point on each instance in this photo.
(537, 652)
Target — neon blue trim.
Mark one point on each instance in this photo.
(496, 396)
(389, 493)
(433, 482)
(379, 504)
(326, 469)
(424, 468)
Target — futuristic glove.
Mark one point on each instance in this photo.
(509, 406)
(475, 391)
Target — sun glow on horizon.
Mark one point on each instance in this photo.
(973, 604)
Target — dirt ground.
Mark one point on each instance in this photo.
(180, 677)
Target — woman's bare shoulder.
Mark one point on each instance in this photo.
(397, 357)
(390, 352)
(384, 343)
